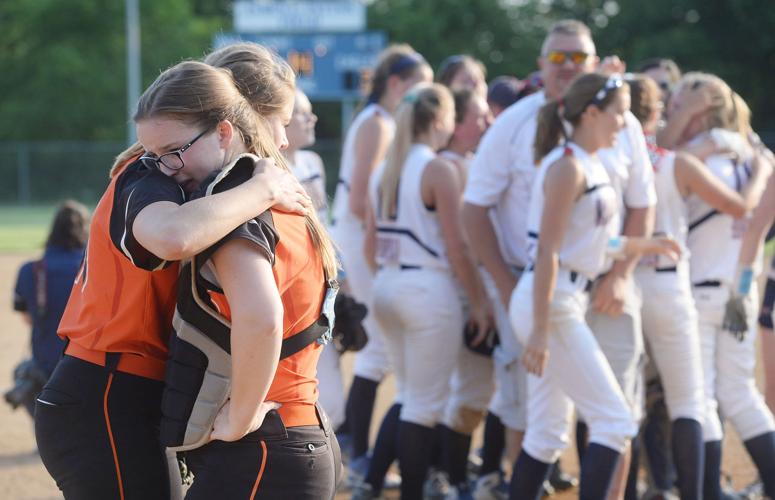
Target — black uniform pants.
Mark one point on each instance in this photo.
(273, 462)
(98, 433)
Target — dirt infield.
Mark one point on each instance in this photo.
(23, 477)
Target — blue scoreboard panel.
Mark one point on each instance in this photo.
(333, 67)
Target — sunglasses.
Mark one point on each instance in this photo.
(559, 57)
(172, 160)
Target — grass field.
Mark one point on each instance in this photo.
(24, 229)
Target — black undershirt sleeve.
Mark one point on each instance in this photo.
(138, 187)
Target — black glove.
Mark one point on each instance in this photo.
(349, 334)
(486, 346)
(736, 317)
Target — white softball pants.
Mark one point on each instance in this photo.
(728, 367)
(371, 362)
(669, 319)
(510, 397)
(577, 373)
(421, 316)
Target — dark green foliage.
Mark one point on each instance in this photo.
(63, 63)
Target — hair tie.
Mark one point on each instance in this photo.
(410, 97)
(405, 61)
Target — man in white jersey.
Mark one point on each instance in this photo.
(495, 212)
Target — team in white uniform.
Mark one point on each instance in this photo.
(594, 318)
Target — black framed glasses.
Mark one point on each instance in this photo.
(172, 160)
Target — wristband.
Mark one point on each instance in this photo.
(745, 280)
(616, 246)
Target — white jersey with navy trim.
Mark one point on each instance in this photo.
(629, 167)
(714, 238)
(413, 237)
(501, 175)
(341, 208)
(672, 215)
(308, 168)
(594, 219)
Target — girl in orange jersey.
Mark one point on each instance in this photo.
(97, 419)
(251, 295)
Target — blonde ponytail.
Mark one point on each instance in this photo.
(414, 116)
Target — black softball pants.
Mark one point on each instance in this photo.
(98, 433)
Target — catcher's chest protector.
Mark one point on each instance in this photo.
(198, 373)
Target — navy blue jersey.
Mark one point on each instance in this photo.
(56, 272)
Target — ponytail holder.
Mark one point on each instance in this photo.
(561, 104)
(410, 97)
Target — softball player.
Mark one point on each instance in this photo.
(495, 209)
(668, 311)
(762, 216)
(97, 419)
(471, 385)
(573, 225)
(417, 241)
(398, 69)
(461, 72)
(714, 241)
(614, 314)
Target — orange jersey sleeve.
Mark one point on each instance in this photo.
(124, 296)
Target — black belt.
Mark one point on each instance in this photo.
(405, 267)
(574, 276)
(708, 284)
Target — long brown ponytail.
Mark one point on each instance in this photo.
(581, 93)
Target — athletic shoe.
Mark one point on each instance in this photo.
(437, 487)
(655, 494)
(362, 491)
(491, 487)
(473, 466)
(392, 481)
(464, 491)
(547, 490)
(754, 491)
(560, 480)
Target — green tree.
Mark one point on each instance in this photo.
(64, 63)
(734, 39)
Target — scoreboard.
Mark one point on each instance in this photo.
(329, 66)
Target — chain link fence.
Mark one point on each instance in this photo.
(45, 172)
(37, 173)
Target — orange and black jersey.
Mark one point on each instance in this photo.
(123, 298)
(298, 272)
